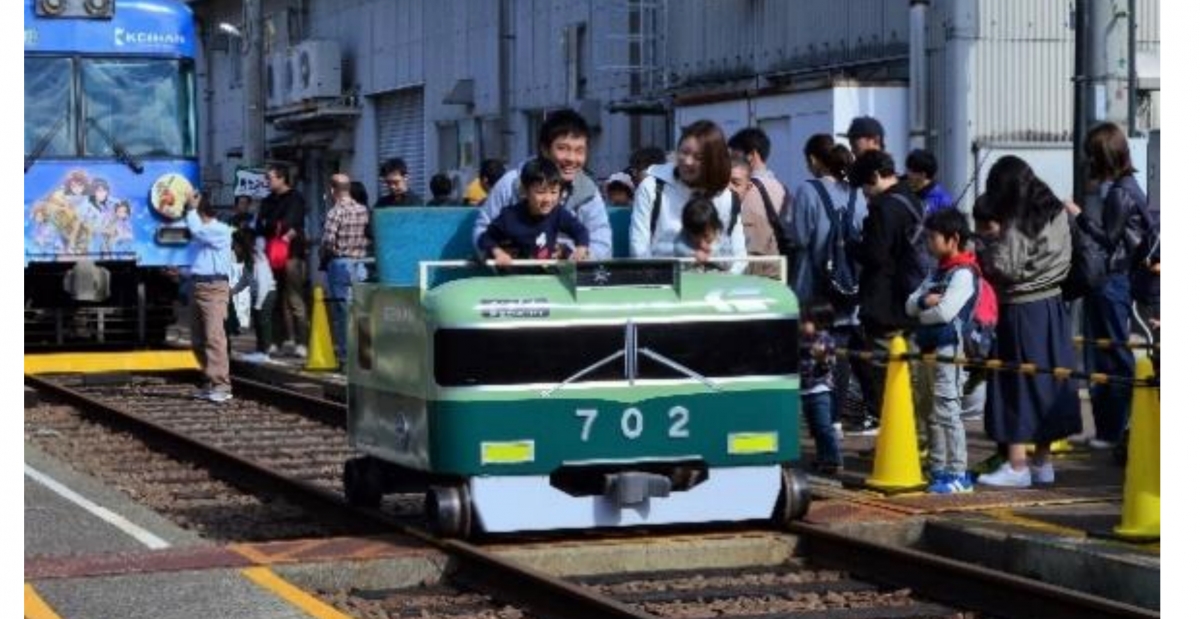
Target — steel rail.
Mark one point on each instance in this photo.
(323, 410)
(479, 569)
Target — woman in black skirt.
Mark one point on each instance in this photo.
(1026, 262)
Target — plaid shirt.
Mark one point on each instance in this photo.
(346, 230)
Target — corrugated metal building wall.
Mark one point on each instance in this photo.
(1020, 61)
(1020, 67)
(709, 41)
(388, 46)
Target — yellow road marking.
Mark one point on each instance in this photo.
(250, 552)
(291, 594)
(36, 607)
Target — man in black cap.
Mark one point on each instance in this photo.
(865, 134)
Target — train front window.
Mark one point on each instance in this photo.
(49, 123)
(144, 105)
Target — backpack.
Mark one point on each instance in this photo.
(785, 237)
(735, 209)
(979, 332)
(915, 263)
(1144, 283)
(836, 273)
(976, 322)
(1089, 265)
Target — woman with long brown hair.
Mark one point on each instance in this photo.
(701, 169)
(1026, 260)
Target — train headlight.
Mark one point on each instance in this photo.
(98, 8)
(51, 7)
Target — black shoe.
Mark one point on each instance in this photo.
(825, 468)
(868, 427)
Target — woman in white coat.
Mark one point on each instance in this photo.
(701, 168)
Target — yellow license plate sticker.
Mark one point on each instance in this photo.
(750, 443)
(510, 452)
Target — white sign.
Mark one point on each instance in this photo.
(250, 182)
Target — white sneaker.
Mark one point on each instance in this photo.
(219, 396)
(1100, 444)
(1043, 474)
(301, 351)
(255, 357)
(1007, 477)
(288, 348)
(272, 350)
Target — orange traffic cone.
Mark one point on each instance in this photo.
(1140, 510)
(897, 465)
(320, 343)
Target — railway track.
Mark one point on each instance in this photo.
(258, 445)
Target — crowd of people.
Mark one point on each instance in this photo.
(872, 253)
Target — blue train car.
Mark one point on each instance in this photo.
(110, 158)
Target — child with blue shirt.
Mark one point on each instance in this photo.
(529, 229)
(817, 359)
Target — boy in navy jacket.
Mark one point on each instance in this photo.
(529, 229)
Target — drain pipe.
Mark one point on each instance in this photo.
(918, 82)
(956, 132)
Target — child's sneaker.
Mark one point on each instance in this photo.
(1043, 474)
(1007, 477)
(951, 483)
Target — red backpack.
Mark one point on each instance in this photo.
(979, 333)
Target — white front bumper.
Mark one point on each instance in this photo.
(530, 503)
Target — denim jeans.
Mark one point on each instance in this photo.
(818, 411)
(1106, 315)
(342, 274)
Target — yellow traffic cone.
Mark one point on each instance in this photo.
(897, 464)
(320, 342)
(1140, 510)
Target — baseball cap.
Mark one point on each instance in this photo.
(864, 127)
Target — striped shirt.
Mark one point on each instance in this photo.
(346, 230)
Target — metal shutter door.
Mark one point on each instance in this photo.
(400, 127)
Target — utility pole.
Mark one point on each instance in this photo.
(254, 125)
(1104, 75)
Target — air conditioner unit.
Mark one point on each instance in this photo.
(316, 70)
(273, 80)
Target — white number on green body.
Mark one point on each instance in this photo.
(633, 422)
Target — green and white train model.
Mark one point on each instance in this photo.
(577, 396)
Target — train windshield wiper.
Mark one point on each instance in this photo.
(679, 367)
(43, 143)
(122, 155)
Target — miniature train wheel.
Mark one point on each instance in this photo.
(448, 510)
(794, 497)
(362, 482)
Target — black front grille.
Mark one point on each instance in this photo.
(467, 357)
